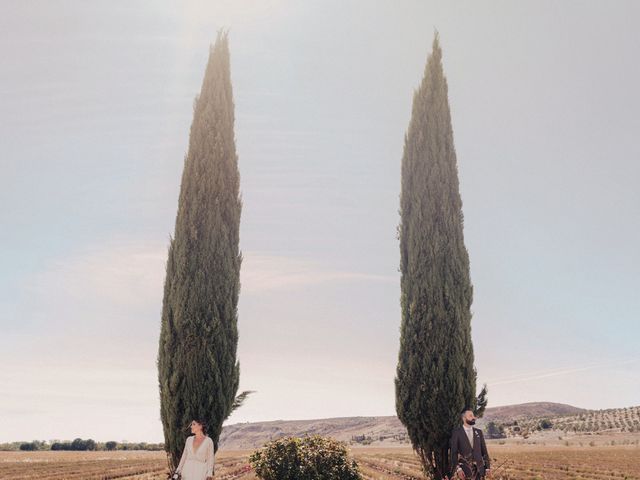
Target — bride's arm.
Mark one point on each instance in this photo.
(210, 459)
(184, 457)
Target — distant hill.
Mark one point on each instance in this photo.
(377, 431)
(509, 413)
(348, 429)
(610, 421)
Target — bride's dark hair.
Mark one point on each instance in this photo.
(203, 423)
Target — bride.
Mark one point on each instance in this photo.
(197, 457)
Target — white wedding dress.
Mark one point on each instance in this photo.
(198, 464)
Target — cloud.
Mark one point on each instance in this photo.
(48, 402)
(100, 306)
(122, 275)
(262, 273)
(126, 277)
(92, 325)
(109, 295)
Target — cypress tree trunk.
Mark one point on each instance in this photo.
(197, 368)
(435, 376)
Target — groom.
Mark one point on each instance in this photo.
(468, 448)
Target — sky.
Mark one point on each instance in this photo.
(96, 100)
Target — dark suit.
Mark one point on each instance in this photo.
(463, 455)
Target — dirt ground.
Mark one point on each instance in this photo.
(511, 461)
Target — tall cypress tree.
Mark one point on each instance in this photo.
(435, 376)
(197, 367)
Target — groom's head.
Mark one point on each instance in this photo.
(468, 418)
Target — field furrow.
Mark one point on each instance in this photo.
(510, 463)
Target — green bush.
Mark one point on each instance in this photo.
(545, 424)
(308, 458)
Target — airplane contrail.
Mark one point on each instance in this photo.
(525, 377)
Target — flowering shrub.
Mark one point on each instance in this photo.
(308, 458)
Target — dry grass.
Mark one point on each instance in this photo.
(124, 465)
(517, 462)
(523, 462)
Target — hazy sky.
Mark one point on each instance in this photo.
(96, 102)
